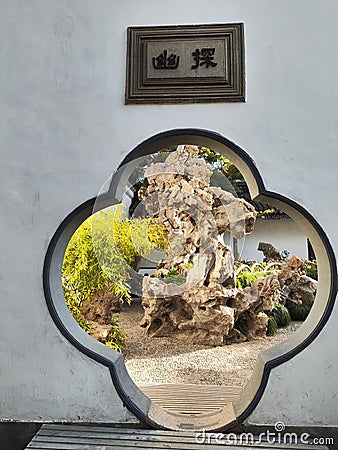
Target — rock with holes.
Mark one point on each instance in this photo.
(267, 290)
(295, 285)
(193, 290)
(101, 307)
(269, 251)
(232, 214)
(222, 270)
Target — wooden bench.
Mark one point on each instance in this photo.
(81, 437)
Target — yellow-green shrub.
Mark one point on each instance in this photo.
(99, 255)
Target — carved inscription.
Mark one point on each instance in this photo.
(185, 64)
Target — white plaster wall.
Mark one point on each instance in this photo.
(283, 234)
(64, 127)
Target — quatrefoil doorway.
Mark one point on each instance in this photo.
(135, 400)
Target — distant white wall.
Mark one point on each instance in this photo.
(284, 234)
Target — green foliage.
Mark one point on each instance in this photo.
(73, 306)
(247, 279)
(99, 255)
(172, 273)
(135, 237)
(174, 276)
(298, 311)
(100, 252)
(175, 279)
(281, 315)
(220, 162)
(266, 213)
(215, 159)
(81, 272)
(118, 241)
(272, 327)
(311, 269)
(116, 337)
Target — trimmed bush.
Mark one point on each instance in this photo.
(281, 315)
(272, 327)
(298, 312)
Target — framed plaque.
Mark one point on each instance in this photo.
(185, 64)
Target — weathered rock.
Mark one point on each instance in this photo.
(268, 292)
(232, 215)
(207, 305)
(199, 311)
(290, 268)
(296, 286)
(100, 308)
(269, 251)
(262, 296)
(303, 289)
(222, 271)
(98, 331)
(257, 324)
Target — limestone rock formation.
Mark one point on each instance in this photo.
(204, 301)
(101, 308)
(295, 285)
(98, 312)
(269, 251)
(98, 331)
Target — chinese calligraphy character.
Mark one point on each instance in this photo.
(163, 61)
(204, 57)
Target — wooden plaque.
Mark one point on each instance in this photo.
(185, 64)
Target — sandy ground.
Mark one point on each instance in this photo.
(180, 360)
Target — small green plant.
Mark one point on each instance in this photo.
(311, 269)
(175, 279)
(116, 337)
(281, 315)
(272, 326)
(298, 311)
(174, 276)
(172, 273)
(222, 164)
(266, 213)
(247, 279)
(73, 306)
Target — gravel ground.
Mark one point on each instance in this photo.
(179, 360)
